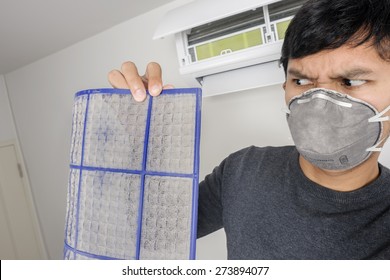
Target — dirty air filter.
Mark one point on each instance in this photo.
(133, 183)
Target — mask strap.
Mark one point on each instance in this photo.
(286, 110)
(379, 118)
(375, 147)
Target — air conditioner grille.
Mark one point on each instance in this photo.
(242, 21)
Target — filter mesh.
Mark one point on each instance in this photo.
(171, 146)
(165, 222)
(133, 176)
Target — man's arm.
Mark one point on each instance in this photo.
(209, 204)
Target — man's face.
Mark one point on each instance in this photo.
(357, 71)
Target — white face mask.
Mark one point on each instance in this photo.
(335, 131)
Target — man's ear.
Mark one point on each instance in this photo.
(284, 85)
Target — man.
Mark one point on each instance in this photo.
(327, 197)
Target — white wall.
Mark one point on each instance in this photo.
(234, 121)
(42, 94)
(7, 126)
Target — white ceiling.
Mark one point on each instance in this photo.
(33, 29)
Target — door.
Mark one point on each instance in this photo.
(19, 233)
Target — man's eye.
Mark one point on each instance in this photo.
(302, 82)
(353, 83)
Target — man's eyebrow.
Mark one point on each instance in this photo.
(296, 73)
(350, 74)
(355, 73)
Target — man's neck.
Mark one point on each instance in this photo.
(345, 180)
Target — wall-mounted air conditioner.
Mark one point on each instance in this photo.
(229, 46)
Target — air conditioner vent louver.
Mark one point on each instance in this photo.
(226, 26)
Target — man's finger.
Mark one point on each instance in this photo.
(117, 80)
(133, 80)
(154, 79)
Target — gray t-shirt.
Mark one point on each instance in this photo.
(270, 210)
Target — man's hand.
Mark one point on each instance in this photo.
(128, 78)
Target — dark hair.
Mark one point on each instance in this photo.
(329, 24)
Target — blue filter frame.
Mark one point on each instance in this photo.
(134, 173)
